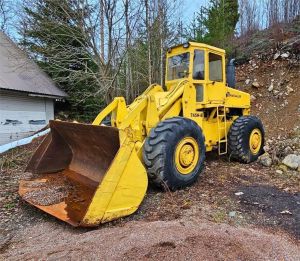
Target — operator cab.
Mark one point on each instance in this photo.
(200, 64)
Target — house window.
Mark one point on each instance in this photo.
(37, 122)
(215, 67)
(12, 122)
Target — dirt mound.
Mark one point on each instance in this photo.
(276, 100)
(181, 239)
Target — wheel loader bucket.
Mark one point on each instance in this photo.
(84, 176)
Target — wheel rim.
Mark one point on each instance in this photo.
(186, 155)
(255, 141)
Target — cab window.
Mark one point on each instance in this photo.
(198, 70)
(215, 67)
(178, 66)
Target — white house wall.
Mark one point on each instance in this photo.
(49, 109)
(21, 115)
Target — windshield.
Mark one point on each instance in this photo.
(178, 66)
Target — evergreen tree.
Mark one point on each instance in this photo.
(56, 38)
(216, 24)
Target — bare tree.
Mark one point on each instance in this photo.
(148, 23)
(6, 14)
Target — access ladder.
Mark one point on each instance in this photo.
(222, 127)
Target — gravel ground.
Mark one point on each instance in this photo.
(184, 239)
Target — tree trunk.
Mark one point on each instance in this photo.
(148, 28)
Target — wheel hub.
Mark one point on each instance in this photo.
(186, 155)
(255, 141)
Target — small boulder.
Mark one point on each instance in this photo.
(285, 55)
(271, 87)
(289, 89)
(276, 55)
(287, 150)
(283, 168)
(232, 214)
(265, 160)
(247, 81)
(292, 161)
(255, 84)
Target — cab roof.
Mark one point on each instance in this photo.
(197, 45)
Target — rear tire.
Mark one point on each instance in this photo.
(174, 153)
(246, 139)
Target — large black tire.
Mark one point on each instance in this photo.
(159, 153)
(239, 139)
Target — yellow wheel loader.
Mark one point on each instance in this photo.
(90, 174)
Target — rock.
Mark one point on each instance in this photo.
(283, 168)
(247, 81)
(239, 193)
(292, 161)
(287, 212)
(288, 150)
(276, 56)
(232, 214)
(289, 89)
(271, 87)
(285, 55)
(255, 84)
(278, 171)
(252, 98)
(265, 160)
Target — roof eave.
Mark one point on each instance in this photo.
(34, 94)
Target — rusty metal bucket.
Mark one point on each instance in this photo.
(70, 166)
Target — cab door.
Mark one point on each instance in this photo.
(216, 89)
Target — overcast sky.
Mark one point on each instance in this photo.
(191, 6)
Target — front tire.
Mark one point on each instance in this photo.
(246, 139)
(174, 153)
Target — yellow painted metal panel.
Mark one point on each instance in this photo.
(122, 189)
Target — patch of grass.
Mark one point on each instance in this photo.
(10, 205)
(219, 216)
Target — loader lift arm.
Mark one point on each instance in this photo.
(147, 107)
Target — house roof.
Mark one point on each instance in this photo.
(19, 73)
